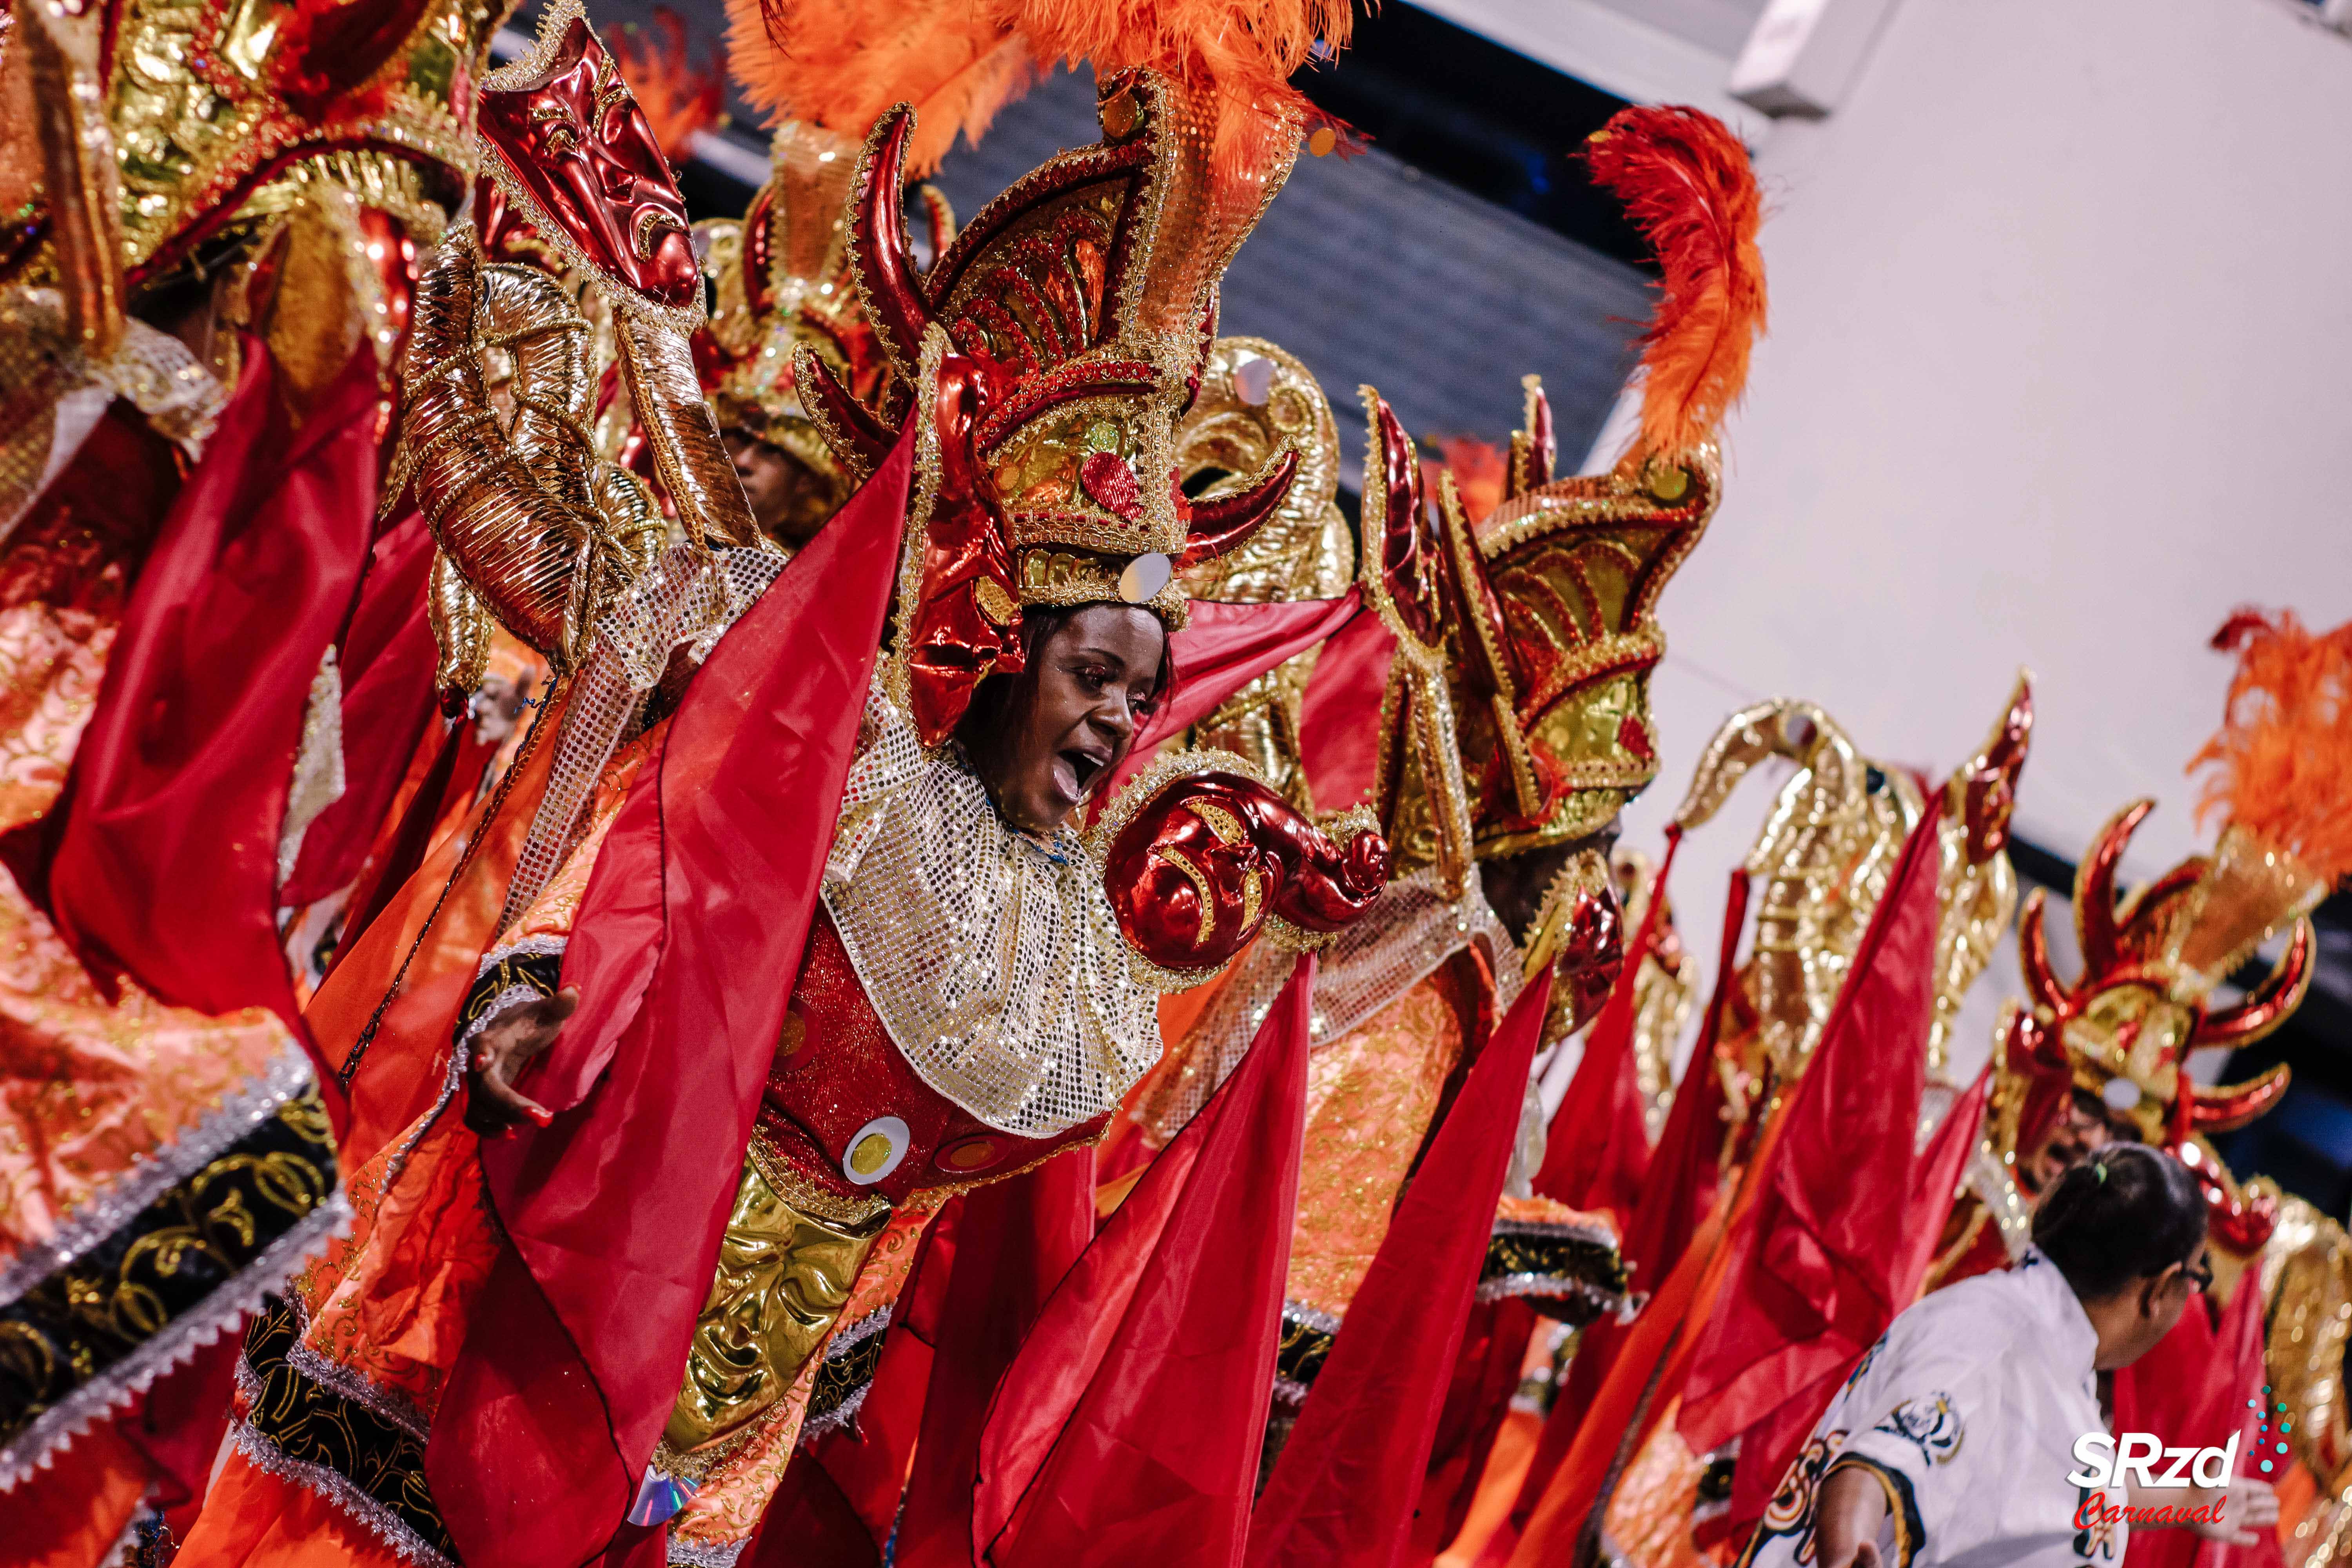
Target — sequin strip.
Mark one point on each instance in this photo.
(990, 956)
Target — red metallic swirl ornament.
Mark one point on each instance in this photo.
(1196, 873)
(966, 624)
(1590, 956)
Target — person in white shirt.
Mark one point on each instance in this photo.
(1953, 1441)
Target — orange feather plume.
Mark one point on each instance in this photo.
(1245, 49)
(2282, 761)
(1480, 469)
(1686, 182)
(679, 97)
(841, 64)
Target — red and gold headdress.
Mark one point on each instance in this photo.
(1542, 617)
(781, 282)
(1046, 357)
(2150, 964)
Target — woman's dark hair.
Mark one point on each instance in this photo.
(2127, 1213)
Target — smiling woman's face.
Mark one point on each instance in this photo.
(1072, 714)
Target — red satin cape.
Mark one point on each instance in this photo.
(165, 862)
(693, 922)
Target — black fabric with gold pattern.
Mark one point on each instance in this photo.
(1299, 1357)
(165, 1263)
(1561, 1272)
(378, 1461)
(841, 1378)
(540, 973)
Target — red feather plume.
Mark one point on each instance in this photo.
(1686, 184)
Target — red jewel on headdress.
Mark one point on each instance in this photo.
(1106, 477)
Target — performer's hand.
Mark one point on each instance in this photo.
(2250, 1510)
(500, 1052)
(1847, 1513)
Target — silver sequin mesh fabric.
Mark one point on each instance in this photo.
(688, 597)
(991, 955)
(1399, 943)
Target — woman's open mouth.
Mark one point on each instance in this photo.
(1076, 771)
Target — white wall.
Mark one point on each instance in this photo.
(2060, 371)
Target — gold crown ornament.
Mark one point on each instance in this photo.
(1257, 401)
(1540, 622)
(1046, 360)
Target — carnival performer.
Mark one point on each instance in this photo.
(970, 994)
(2106, 1059)
(1956, 1437)
(198, 326)
(1505, 681)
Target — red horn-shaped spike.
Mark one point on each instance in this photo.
(2033, 955)
(877, 243)
(1221, 524)
(2227, 1107)
(2094, 889)
(1534, 451)
(1400, 558)
(2279, 995)
(845, 422)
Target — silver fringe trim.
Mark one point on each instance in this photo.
(345, 1384)
(1308, 1317)
(1287, 1391)
(1554, 1287)
(705, 1554)
(174, 1344)
(340, 1493)
(840, 1416)
(114, 1205)
(859, 1333)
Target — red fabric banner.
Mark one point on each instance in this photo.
(1340, 724)
(692, 926)
(1223, 647)
(1810, 1287)
(387, 657)
(1014, 1243)
(1597, 1154)
(1766, 1450)
(1344, 1489)
(1676, 1194)
(165, 842)
(1129, 1428)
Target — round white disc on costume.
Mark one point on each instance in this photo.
(874, 1150)
(2121, 1094)
(1145, 576)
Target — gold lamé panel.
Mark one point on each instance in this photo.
(204, 103)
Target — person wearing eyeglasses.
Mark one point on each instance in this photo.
(1953, 1441)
